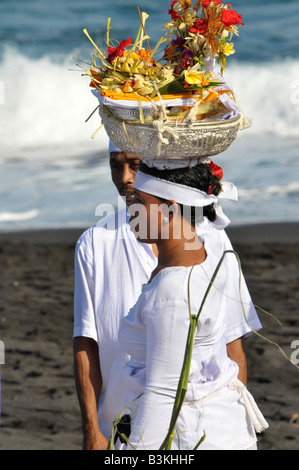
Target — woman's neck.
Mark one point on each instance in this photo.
(178, 246)
(179, 253)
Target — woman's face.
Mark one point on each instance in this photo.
(150, 217)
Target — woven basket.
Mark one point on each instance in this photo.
(171, 140)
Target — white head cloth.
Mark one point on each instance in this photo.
(112, 148)
(186, 195)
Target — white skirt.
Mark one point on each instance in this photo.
(228, 418)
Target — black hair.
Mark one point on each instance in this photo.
(199, 177)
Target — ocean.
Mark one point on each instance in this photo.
(53, 175)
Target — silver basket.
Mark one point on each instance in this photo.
(131, 114)
(171, 140)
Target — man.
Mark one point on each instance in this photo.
(110, 268)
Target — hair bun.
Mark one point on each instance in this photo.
(210, 213)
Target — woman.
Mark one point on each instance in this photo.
(171, 204)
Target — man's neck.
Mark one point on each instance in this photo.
(155, 250)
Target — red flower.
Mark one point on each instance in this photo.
(231, 17)
(118, 51)
(199, 27)
(206, 3)
(216, 170)
(174, 14)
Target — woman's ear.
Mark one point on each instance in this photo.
(174, 209)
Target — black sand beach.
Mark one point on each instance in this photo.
(39, 405)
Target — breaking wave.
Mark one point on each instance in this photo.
(45, 104)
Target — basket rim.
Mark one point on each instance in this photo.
(210, 124)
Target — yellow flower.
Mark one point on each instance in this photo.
(228, 49)
(195, 78)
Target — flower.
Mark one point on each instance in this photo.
(189, 18)
(143, 56)
(199, 30)
(185, 4)
(172, 12)
(196, 43)
(187, 55)
(228, 49)
(200, 27)
(178, 42)
(207, 3)
(181, 7)
(195, 78)
(230, 18)
(118, 51)
(216, 170)
(168, 52)
(187, 58)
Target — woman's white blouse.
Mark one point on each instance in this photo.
(154, 334)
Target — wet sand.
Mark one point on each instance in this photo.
(39, 408)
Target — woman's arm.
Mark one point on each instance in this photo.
(236, 352)
(88, 384)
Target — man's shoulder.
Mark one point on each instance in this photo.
(118, 220)
(110, 227)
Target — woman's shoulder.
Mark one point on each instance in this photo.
(171, 284)
(168, 285)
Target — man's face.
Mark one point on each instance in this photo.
(124, 167)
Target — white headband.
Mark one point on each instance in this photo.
(186, 195)
(172, 191)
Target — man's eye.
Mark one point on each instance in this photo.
(135, 166)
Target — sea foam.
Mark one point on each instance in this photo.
(268, 94)
(46, 104)
(18, 216)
